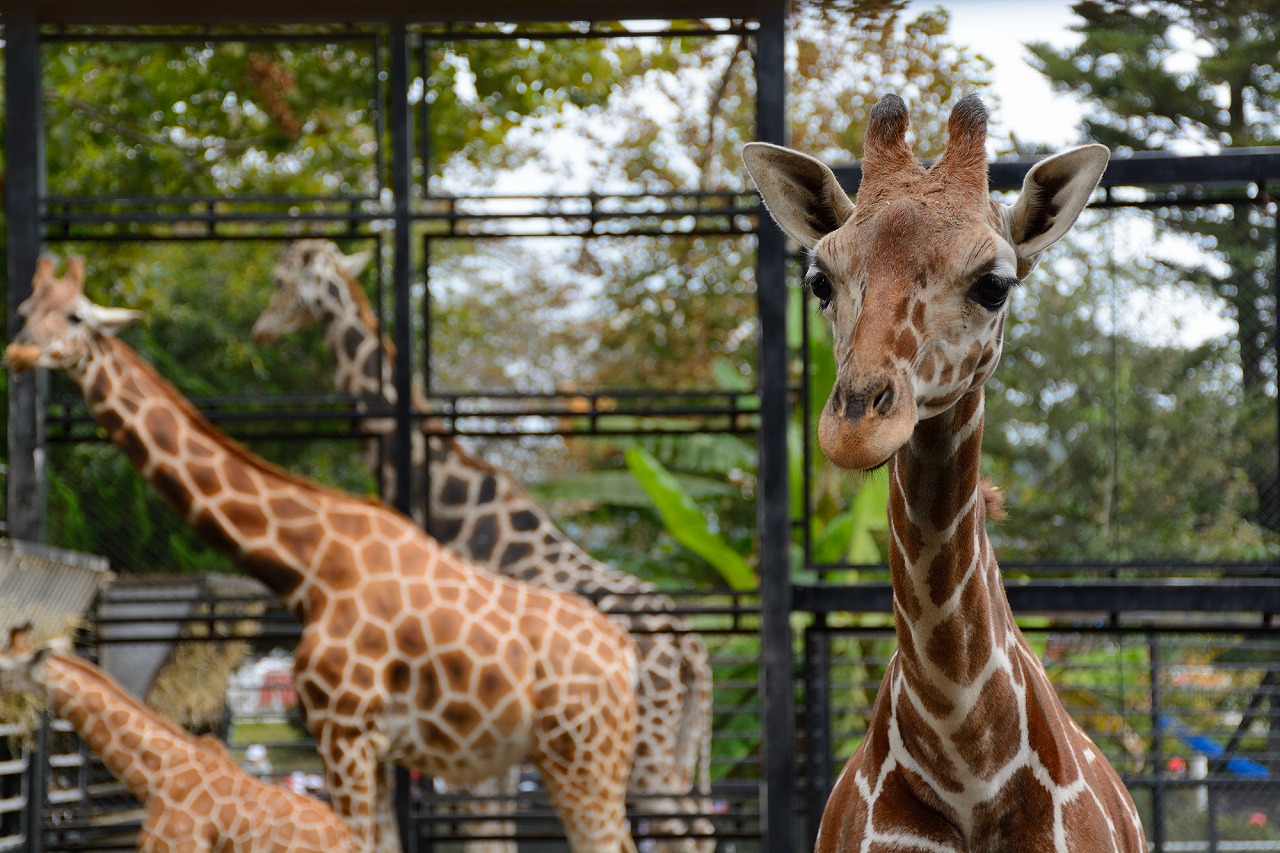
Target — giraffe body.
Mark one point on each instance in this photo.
(408, 654)
(968, 747)
(483, 514)
(195, 798)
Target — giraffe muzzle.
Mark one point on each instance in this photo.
(861, 429)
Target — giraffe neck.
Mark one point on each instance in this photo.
(237, 502)
(484, 514)
(362, 362)
(136, 744)
(955, 630)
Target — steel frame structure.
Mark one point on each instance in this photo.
(400, 30)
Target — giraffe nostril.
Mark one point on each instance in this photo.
(883, 401)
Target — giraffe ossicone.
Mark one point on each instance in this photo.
(484, 514)
(968, 747)
(408, 654)
(194, 796)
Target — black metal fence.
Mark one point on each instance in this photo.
(1174, 678)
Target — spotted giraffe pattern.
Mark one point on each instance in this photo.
(407, 654)
(968, 747)
(195, 798)
(486, 516)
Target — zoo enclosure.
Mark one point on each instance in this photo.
(1128, 599)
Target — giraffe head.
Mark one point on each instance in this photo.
(916, 276)
(315, 283)
(59, 322)
(20, 661)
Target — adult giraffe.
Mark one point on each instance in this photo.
(484, 514)
(408, 654)
(968, 747)
(195, 797)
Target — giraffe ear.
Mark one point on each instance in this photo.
(354, 264)
(1054, 193)
(110, 321)
(801, 193)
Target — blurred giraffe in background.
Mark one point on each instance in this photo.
(484, 514)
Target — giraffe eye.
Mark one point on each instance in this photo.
(990, 291)
(820, 286)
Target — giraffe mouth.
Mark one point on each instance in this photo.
(20, 357)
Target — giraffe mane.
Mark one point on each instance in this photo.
(224, 441)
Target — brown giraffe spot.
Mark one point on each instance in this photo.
(429, 688)
(445, 530)
(926, 746)
(492, 685)
(514, 553)
(409, 639)
(265, 565)
(347, 702)
(210, 529)
(353, 526)
(236, 475)
(248, 518)
(525, 520)
(113, 424)
(288, 508)
(185, 779)
(488, 489)
(129, 739)
(899, 807)
(372, 641)
(438, 739)
(481, 641)
(397, 677)
(133, 447)
(163, 427)
(1016, 817)
(961, 644)
(462, 716)
(343, 617)
(375, 554)
(1046, 724)
(382, 599)
(99, 388)
(389, 526)
(204, 478)
(483, 538)
(300, 541)
(445, 625)
(988, 739)
(457, 666)
(454, 492)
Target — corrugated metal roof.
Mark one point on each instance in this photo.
(49, 588)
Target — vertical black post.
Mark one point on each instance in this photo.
(402, 333)
(37, 787)
(817, 724)
(777, 793)
(1156, 833)
(24, 152)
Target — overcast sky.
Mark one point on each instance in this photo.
(999, 29)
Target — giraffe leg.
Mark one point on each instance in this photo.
(386, 825)
(352, 776)
(649, 795)
(584, 751)
(491, 836)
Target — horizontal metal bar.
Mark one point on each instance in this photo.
(243, 12)
(179, 37)
(593, 32)
(1142, 169)
(1090, 596)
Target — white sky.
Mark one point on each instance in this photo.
(999, 29)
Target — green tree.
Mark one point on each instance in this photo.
(1152, 74)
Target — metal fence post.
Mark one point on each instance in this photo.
(1157, 751)
(402, 334)
(24, 186)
